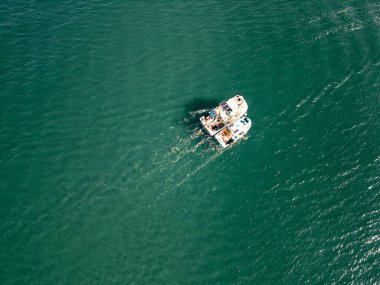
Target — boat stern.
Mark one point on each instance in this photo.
(225, 138)
(211, 123)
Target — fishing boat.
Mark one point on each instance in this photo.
(224, 114)
(233, 132)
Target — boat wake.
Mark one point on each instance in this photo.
(336, 22)
(149, 172)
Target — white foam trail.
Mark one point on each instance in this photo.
(344, 20)
(197, 112)
(187, 177)
(316, 99)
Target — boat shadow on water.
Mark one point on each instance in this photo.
(195, 109)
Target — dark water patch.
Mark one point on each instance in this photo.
(195, 109)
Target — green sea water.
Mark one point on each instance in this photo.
(105, 177)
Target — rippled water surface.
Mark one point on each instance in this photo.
(105, 177)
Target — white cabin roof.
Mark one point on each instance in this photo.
(237, 108)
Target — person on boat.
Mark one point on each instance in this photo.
(217, 126)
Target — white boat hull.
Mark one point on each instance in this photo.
(233, 132)
(226, 113)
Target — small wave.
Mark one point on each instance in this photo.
(336, 22)
(343, 81)
(303, 102)
(374, 13)
(309, 102)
